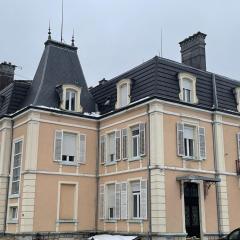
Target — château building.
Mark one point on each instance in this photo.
(153, 152)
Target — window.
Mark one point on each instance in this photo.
(187, 90)
(123, 93)
(135, 187)
(237, 97)
(138, 140)
(16, 167)
(111, 147)
(13, 213)
(191, 141)
(187, 85)
(70, 147)
(70, 100)
(111, 201)
(70, 97)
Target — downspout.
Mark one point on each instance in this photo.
(8, 182)
(149, 179)
(215, 100)
(97, 175)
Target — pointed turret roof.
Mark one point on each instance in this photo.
(59, 65)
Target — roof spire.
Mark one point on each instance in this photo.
(49, 31)
(73, 38)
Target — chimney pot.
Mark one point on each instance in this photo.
(193, 51)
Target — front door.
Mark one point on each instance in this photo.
(191, 200)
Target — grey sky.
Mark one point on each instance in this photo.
(115, 35)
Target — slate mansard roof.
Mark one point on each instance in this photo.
(156, 78)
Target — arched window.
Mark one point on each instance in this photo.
(70, 100)
(123, 93)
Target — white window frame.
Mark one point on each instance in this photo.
(119, 85)
(193, 97)
(107, 217)
(237, 97)
(10, 219)
(187, 155)
(77, 90)
(72, 94)
(108, 162)
(76, 150)
(136, 126)
(16, 195)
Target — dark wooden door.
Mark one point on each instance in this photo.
(191, 199)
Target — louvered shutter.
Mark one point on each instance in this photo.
(238, 144)
(124, 201)
(58, 145)
(103, 149)
(118, 200)
(202, 143)
(124, 144)
(101, 202)
(142, 139)
(118, 145)
(143, 199)
(82, 148)
(180, 139)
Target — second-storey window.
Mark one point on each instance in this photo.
(135, 142)
(70, 100)
(138, 140)
(189, 141)
(111, 147)
(69, 151)
(16, 168)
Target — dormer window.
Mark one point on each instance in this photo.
(123, 93)
(70, 100)
(187, 85)
(70, 97)
(237, 97)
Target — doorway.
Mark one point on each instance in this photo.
(191, 201)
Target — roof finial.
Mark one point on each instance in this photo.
(49, 31)
(73, 38)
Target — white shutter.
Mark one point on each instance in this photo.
(202, 143)
(82, 148)
(124, 200)
(58, 145)
(118, 200)
(124, 144)
(238, 144)
(101, 202)
(103, 149)
(118, 145)
(180, 139)
(142, 139)
(143, 199)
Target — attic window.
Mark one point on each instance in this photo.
(237, 97)
(123, 93)
(187, 85)
(70, 99)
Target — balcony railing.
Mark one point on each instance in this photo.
(238, 167)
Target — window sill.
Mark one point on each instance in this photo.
(110, 220)
(135, 221)
(13, 221)
(14, 196)
(110, 163)
(192, 159)
(67, 163)
(67, 221)
(134, 159)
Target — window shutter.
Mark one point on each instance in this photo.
(124, 199)
(180, 139)
(101, 202)
(118, 200)
(142, 139)
(103, 149)
(202, 143)
(238, 144)
(124, 144)
(118, 145)
(143, 199)
(58, 145)
(82, 148)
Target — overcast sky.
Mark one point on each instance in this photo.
(115, 35)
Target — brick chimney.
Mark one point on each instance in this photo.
(6, 74)
(193, 51)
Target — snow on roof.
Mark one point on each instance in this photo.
(112, 237)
